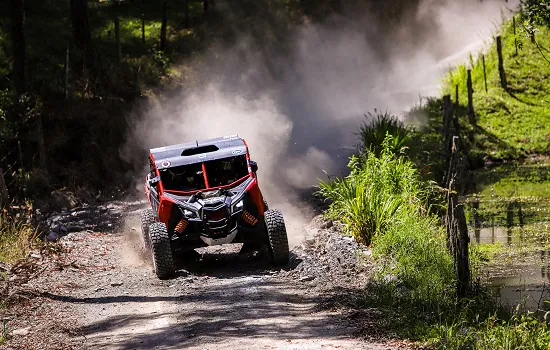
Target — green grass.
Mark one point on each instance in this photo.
(512, 123)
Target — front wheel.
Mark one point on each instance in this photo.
(147, 218)
(161, 250)
(276, 234)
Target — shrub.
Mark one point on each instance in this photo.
(373, 133)
(369, 200)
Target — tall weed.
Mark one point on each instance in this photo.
(16, 238)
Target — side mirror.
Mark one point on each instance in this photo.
(253, 166)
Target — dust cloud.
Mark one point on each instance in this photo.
(298, 102)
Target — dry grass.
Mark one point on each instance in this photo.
(16, 238)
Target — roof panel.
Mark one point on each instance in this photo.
(176, 150)
(170, 156)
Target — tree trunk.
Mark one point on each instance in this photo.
(117, 37)
(206, 6)
(187, 14)
(163, 26)
(82, 35)
(17, 14)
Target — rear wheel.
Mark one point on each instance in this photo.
(147, 218)
(278, 241)
(161, 250)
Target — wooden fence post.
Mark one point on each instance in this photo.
(455, 222)
(501, 71)
(484, 72)
(471, 113)
(4, 198)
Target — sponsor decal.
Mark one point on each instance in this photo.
(202, 156)
(237, 151)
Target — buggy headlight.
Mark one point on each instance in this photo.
(188, 213)
(239, 205)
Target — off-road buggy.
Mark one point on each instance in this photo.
(206, 193)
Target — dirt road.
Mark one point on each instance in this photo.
(101, 294)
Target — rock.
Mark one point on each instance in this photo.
(63, 199)
(307, 278)
(61, 230)
(327, 224)
(116, 284)
(21, 331)
(85, 196)
(52, 236)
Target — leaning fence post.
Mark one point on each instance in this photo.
(471, 113)
(501, 71)
(4, 198)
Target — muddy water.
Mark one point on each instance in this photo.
(508, 213)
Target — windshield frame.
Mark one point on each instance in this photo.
(206, 180)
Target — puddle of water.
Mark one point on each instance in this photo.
(510, 207)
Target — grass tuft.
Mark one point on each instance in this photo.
(16, 238)
(374, 130)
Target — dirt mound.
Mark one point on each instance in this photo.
(329, 257)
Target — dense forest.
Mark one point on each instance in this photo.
(71, 72)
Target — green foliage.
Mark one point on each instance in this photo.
(536, 12)
(374, 130)
(370, 199)
(519, 332)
